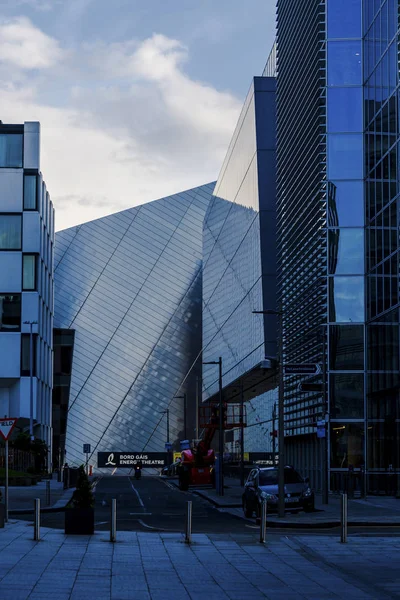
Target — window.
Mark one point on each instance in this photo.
(29, 272)
(346, 251)
(346, 347)
(346, 299)
(11, 150)
(25, 355)
(347, 445)
(10, 232)
(10, 312)
(30, 192)
(347, 396)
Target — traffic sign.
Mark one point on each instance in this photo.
(321, 430)
(310, 387)
(86, 448)
(126, 460)
(6, 427)
(302, 369)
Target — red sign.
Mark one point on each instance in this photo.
(6, 427)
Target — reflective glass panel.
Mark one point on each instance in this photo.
(10, 232)
(10, 312)
(30, 190)
(345, 156)
(344, 18)
(347, 396)
(345, 109)
(11, 149)
(344, 63)
(347, 445)
(346, 251)
(384, 444)
(346, 299)
(346, 347)
(25, 355)
(346, 203)
(29, 272)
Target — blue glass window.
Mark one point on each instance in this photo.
(345, 109)
(346, 251)
(344, 63)
(346, 203)
(11, 150)
(346, 299)
(345, 156)
(344, 19)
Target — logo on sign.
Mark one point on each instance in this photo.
(110, 460)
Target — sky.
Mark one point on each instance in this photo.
(137, 99)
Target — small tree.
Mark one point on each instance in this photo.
(83, 495)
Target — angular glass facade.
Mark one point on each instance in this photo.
(129, 285)
(239, 246)
(337, 179)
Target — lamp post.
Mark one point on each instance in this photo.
(166, 412)
(281, 414)
(184, 415)
(31, 323)
(221, 426)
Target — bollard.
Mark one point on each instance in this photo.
(343, 520)
(113, 526)
(47, 492)
(36, 522)
(188, 524)
(263, 522)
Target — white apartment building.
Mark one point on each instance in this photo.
(26, 281)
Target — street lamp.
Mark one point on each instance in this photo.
(184, 415)
(281, 415)
(166, 412)
(221, 426)
(30, 323)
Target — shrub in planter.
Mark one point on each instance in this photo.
(79, 513)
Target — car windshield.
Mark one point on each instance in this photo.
(270, 477)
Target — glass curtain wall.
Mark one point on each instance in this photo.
(345, 187)
(381, 98)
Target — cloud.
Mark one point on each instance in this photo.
(121, 124)
(26, 47)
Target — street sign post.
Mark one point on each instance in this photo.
(321, 430)
(302, 369)
(86, 450)
(6, 428)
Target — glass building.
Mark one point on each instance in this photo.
(128, 327)
(26, 282)
(239, 265)
(337, 186)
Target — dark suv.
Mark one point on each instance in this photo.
(262, 484)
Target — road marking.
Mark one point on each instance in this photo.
(113, 471)
(137, 494)
(142, 514)
(101, 522)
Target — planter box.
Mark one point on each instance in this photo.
(79, 521)
(2, 515)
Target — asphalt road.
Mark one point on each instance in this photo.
(154, 504)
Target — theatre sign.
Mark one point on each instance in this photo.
(126, 460)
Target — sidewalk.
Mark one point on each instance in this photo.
(20, 499)
(150, 566)
(373, 510)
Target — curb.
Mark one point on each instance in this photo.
(215, 502)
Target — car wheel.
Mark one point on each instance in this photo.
(248, 513)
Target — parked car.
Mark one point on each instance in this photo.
(262, 484)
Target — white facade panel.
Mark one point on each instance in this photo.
(31, 232)
(10, 272)
(11, 190)
(30, 309)
(10, 355)
(25, 398)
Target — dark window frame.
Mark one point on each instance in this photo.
(31, 173)
(35, 288)
(20, 314)
(13, 214)
(26, 372)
